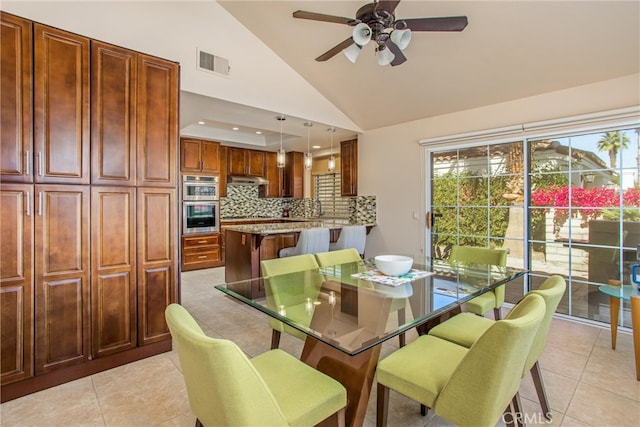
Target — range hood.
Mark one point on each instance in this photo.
(246, 180)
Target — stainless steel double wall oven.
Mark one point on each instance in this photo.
(200, 204)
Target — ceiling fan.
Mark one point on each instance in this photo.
(376, 21)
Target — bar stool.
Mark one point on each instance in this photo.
(310, 241)
(352, 236)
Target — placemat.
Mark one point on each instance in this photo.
(377, 276)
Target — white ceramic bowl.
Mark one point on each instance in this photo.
(393, 265)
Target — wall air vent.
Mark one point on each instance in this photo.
(212, 63)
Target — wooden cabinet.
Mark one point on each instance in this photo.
(349, 168)
(61, 106)
(61, 276)
(16, 282)
(113, 114)
(16, 112)
(274, 175)
(293, 175)
(157, 228)
(201, 251)
(222, 177)
(113, 270)
(88, 212)
(157, 122)
(199, 156)
(246, 162)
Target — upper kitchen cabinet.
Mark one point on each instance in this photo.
(246, 162)
(113, 114)
(274, 175)
(293, 175)
(199, 156)
(157, 121)
(16, 114)
(222, 178)
(349, 168)
(61, 106)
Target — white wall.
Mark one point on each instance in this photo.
(391, 163)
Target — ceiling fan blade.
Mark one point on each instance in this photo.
(321, 17)
(388, 5)
(448, 23)
(335, 50)
(399, 57)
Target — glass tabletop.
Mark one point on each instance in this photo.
(352, 307)
(623, 292)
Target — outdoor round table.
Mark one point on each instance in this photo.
(625, 292)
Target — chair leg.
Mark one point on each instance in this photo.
(423, 409)
(536, 375)
(198, 423)
(497, 314)
(341, 417)
(275, 339)
(382, 406)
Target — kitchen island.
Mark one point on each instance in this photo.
(248, 244)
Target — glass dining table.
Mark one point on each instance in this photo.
(345, 312)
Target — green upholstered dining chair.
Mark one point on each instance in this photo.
(466, 386)
(344, 256)
(477, 255)
(290, 291)
(225, 387)
(464, 329)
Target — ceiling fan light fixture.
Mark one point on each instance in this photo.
(401, 38)
(361, 34)
(352, 52)
(385, 56)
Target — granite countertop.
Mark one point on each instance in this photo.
(290, 225)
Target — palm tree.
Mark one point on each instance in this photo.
(613, 142)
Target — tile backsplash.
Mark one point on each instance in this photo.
(243, 201)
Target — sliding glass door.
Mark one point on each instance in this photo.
(566, 204)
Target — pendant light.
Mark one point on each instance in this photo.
(332, 159)
(308, 160)
(281, 153)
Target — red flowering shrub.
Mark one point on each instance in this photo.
(585, 202)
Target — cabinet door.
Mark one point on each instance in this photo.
(16, 282)
(274, 175)
(190, 160)
(255, 163)
(16, 114)
(236, 161)
(61, 276)
(61, 106)
(113, 270)
(349, 168)
(293, 175)
(157, 122)
(210, 156)
(113, 115)
(222, 190)
(157, 261)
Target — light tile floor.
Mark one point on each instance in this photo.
(588, 383)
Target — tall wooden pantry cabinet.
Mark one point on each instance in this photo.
(88, 210)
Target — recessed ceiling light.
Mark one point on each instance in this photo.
(235, 128)
(315, 146)
(200, 122)
(258, 132)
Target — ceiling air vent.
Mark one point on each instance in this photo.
(215, 64)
